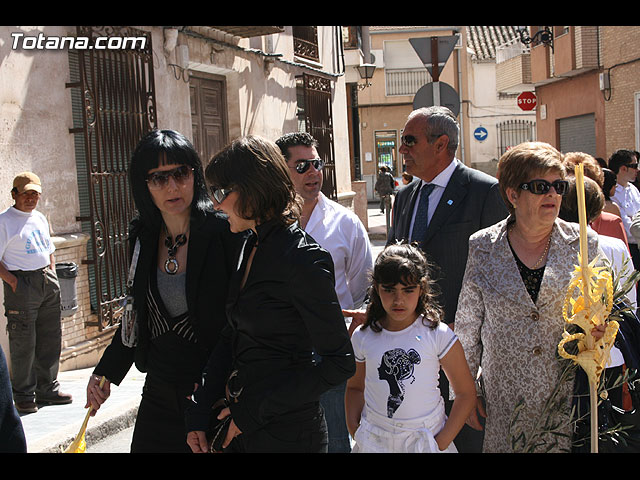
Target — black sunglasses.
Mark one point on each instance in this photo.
(632, 165)
(303, 165)
(158, 180)
(540, 187)
(220, 194)
(410, 140)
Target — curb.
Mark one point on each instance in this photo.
(97, 429)
(377, 236)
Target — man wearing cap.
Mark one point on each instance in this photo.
(31, 298)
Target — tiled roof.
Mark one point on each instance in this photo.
(483, 40)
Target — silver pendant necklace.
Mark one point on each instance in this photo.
(171, 265)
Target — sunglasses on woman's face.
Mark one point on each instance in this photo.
(220, 194)
(303, 165)
(158, 180)
(540, 187)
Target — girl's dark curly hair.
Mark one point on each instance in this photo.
(406, 264)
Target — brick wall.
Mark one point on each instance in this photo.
(620, 53)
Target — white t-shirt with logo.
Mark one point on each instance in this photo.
(402, 368)
(25, 241)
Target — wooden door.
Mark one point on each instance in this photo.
(208, 115)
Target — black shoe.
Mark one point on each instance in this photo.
(28, 406)
(57, 399)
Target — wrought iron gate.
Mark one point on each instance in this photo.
(514, 132)
(114, 106)
(318, 120)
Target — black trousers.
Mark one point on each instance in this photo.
(160, 424)
(303, 431)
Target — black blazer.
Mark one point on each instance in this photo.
(470, 202)
(287, 309)
(212, 250)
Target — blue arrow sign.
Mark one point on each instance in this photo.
(480, 134)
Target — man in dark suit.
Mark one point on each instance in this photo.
(456, 202)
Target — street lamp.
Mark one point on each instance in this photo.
(544, 36)
(366, 71)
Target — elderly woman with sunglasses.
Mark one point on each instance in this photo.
(179, 289)
(509, 318)
(282, 307)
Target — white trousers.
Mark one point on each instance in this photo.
(379, 434)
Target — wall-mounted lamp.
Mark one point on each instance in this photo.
(544, 36)
(366, 71)
(181, 67)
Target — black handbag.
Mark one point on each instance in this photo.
(217, 431)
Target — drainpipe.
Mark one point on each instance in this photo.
(461, 143)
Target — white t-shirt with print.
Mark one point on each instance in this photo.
(25, 242)
(402, 368)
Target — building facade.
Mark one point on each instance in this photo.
(487, 110)
(73, 109)
(587, 87)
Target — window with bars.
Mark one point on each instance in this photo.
(305, 42)
(315, 116)
(113, 106)
(514, 132)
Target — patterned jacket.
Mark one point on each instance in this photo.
(511, 339)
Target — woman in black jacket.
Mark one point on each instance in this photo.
(282, 306)
(180, 289)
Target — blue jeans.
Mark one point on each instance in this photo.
(332, 402)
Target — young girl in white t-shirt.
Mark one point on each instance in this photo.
(393, 402)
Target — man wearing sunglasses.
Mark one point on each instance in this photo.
(456, 201)
(339, 231)
(625, 164)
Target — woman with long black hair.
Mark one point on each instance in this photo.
(179, 289)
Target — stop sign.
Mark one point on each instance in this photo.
(527, 100)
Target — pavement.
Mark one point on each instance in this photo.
(54, 427)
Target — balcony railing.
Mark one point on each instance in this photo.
(406, 81)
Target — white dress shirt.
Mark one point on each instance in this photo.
(618, 255)
(339, 231)
(628, 199)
